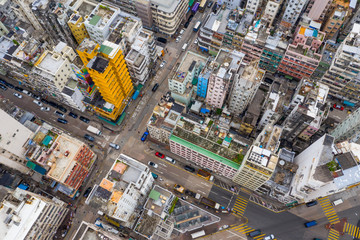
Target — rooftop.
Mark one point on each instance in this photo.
(87, 45)
(187, 65)
(269, 138)
(101, 15)
(167, 6)
(51, 62)
(304, 50)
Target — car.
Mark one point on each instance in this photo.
(190, 18)
(88, 137)
(71, 114)
(144, 136)
(61, 108)
(115, 146)
(87, 191)
(269, 237)
(182, 31)
(3, 87)
(189, 169)
(155, 176)
(169, 159)
(196, 41)
(162, 64)
(310, 224)
(178, 39)
(84, 119)
(64, 233)
(312, 203)
(9, 85)
(38, 103)
(223, 227)
(44, 101)
(210, 4)
(19, 89)
(17, 95)
(36, 97)
(155, 87)
(186, 25)
(45, 109)
(53, 104)
(339, 107)
(160, 155)
(27, 92)
(254, 233)
(3, 81)
(61, 120)
(152, 164)
(59, 114)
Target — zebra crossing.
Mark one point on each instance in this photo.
(351, 230)
(240, 206)
(244, 229)
(333, 234)
(328, 210)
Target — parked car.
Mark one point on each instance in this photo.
(312, 203)
(61, 108)
(88, 137)
(182, 31)
(155, 87)
(19, 89)
(269, 237)
(45, 109)
(155, 176)
(36, 97)
(189, 169)
(38, 103)
(3, 81)
(162, 64)
(44, 101)
(178, 39)
(61, 120)
(152, 164)
(17, 95)
(84, 119)
(169, 159)
(27, 92)
(64, 233)
(190, 18)
(115, 146)
(210, 4)
(9, 85)
(196, 41)
(59, 114)
(144, 136)
(53, 104)
(160, 155)
(87, 192)
(186, 25)
(3, 87)
(71, 114)
(336, 106)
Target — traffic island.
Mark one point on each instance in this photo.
(339, 226)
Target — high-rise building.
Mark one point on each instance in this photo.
(316, 9)
(272, 53)
(244, 87)
(26, 215)
(343, 75)
(143, 10)
(302, 56)
(253, 5)
(271, 10)
(260, 160)
(107, 68)
(335, 19)
(292, 12)
(23, 10)
(348, 129)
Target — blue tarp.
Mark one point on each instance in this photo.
(204, 110)
(23, 186)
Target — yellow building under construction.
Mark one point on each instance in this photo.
(107, 68)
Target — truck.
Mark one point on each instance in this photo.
(179, 188)
(210, 203)
(94, 130)
(204, 174)
(135, 95)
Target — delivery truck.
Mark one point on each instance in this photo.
(209, 203)
(94, 130)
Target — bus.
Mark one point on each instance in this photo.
(197, 26)
(202, 5)
(195, 7)
(198, 234)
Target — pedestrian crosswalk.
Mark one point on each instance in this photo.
(329, 210)
(351, 230)
(243, 228)
(240, 206)
(333, 234)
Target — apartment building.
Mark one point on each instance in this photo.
(223, 69)
(302, 56)
(335, 19)
(23, 10)
(123, 189)
(271, 105)
(316, 9)
(343, 74)
(293, 10)
(167, 15)
(327, 56)
(348, 129)
(143, 10)
(271, 10)
(209, 145)
(183, 82)
(106, 66)
(202, 84)
(272, 53)
(252, 5)
(26, 215)
(244, 87)
(260, 160)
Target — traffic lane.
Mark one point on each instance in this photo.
(221, 196)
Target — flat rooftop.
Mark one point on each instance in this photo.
(87, 45)
(218, 22)
(187, 64)
(167, 6)
(101, 14)
(51, 62)
(85, 8)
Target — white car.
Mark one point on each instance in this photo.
(152, 164)
(269, 237)
(17, 95)
(38, 103)
(196, 41)
(45, 109)
(163, 63)
(182, 31)
(178, 39)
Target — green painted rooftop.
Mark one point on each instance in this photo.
(205, 152)
(105, 49)
(154, 195)
(95, 19)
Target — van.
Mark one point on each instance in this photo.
(170, 160)
(310, 224)
(337, 202)
(254, 233)
(184, 47)
(211, 179)
(155, 87)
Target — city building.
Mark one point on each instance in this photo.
(271, 109)
(348, 129)
(144, 11)
(272, 53)
(163, 119)
(316, 9)
(202, 84)
(260, 160)
(99, 22)
(124, 188)
(106, 65)
(26, 215)
(183, 82)
(12, 139)
(128, 6)
(23, 10)
(245, 84)
(271, 10)
(309, 109)
(167, 15)
(302, 56)
(343, 74)
(96, 230)
(223, 69)
(327, 56)
(336, 18)
(253, 5)
(293, 9)
(208, 144)
(81, 11)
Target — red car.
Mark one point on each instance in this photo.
(160, 155)
(338, 107)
